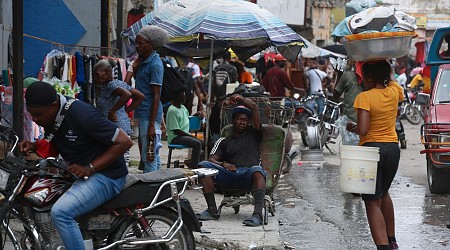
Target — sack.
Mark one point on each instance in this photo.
(172, 82)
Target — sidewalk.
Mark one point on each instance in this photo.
(228, 232)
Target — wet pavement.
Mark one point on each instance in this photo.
(314, 214)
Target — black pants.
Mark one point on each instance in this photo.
(193, 143)
(387, 167)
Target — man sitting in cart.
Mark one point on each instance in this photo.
(238, 159)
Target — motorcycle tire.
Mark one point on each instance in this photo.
(413, 115)
(286, 164)
(304, 138)
(160, 220)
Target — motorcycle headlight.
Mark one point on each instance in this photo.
(296, 95)
(4, 177)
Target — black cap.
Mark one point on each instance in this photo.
(40, 94)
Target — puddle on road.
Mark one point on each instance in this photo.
(421, 217)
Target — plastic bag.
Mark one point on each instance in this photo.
(356, 6)
(348, 138)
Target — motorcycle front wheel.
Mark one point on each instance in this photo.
(160, 221)
(412, 114)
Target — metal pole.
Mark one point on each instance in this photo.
(208, 108)
(104, 27)
(17, 81)
(119, 26)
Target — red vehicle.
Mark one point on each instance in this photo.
(435, 133)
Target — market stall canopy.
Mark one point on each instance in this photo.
(313, 51)
(241, 25)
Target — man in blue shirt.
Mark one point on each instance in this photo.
(148, 78)
(94, 147)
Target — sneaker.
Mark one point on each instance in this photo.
(393, 245)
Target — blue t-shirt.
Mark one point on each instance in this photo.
(150, 72)
(84, 135)
(107, 100)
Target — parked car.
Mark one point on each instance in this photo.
(435, 132)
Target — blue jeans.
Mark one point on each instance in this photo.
(82, 197)
(320, 104)
(241, 179)
(150, 166)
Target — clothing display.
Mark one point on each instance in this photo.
(71, 74)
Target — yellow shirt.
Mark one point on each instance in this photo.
(382, 105)
(426, 81)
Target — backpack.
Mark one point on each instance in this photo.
(220, 80)
(172, 82)
(186, 74)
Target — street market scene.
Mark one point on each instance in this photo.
(225, 124)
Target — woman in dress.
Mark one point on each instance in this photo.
(113, 96)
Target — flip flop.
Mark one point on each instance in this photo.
(205, 215)
(252, 221)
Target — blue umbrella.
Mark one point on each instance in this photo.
(203, 28)
(241, 25)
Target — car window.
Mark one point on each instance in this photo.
(443, 91)
(444, 50)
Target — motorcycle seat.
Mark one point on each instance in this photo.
(142, 188)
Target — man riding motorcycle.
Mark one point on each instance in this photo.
(91, 143)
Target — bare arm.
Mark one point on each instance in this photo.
(198, 91)
(118, 148)
(124, 96)
(363, 125)
(156, 90)
(248, 103)
(216, 160)
(137, 97)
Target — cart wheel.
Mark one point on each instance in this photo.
(266, 215)
(286, 165)
(236, 209)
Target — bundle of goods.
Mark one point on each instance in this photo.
(376, 33)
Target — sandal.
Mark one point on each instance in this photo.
(205, 215)
(253, 221)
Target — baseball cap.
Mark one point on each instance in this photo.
(241, 110)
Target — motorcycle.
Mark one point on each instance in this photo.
(149, 213)
(400, 130)
(303, 108)
(409, 109)
(321, 129)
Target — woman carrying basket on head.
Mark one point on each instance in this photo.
(376, 113)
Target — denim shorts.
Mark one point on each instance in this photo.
(386, 169)
(241, 179)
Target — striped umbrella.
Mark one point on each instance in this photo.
(241, 25)
(203, 28)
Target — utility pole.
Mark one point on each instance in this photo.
(17, 81)
(104, 25)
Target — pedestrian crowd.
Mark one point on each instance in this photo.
(96, 140)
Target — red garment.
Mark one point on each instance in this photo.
(358, 71)
(45, 149)
(134, 15)
(276, 80)
(420, 52)
(73, 77)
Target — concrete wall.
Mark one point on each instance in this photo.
(60, 21)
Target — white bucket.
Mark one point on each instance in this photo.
(358, 173)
